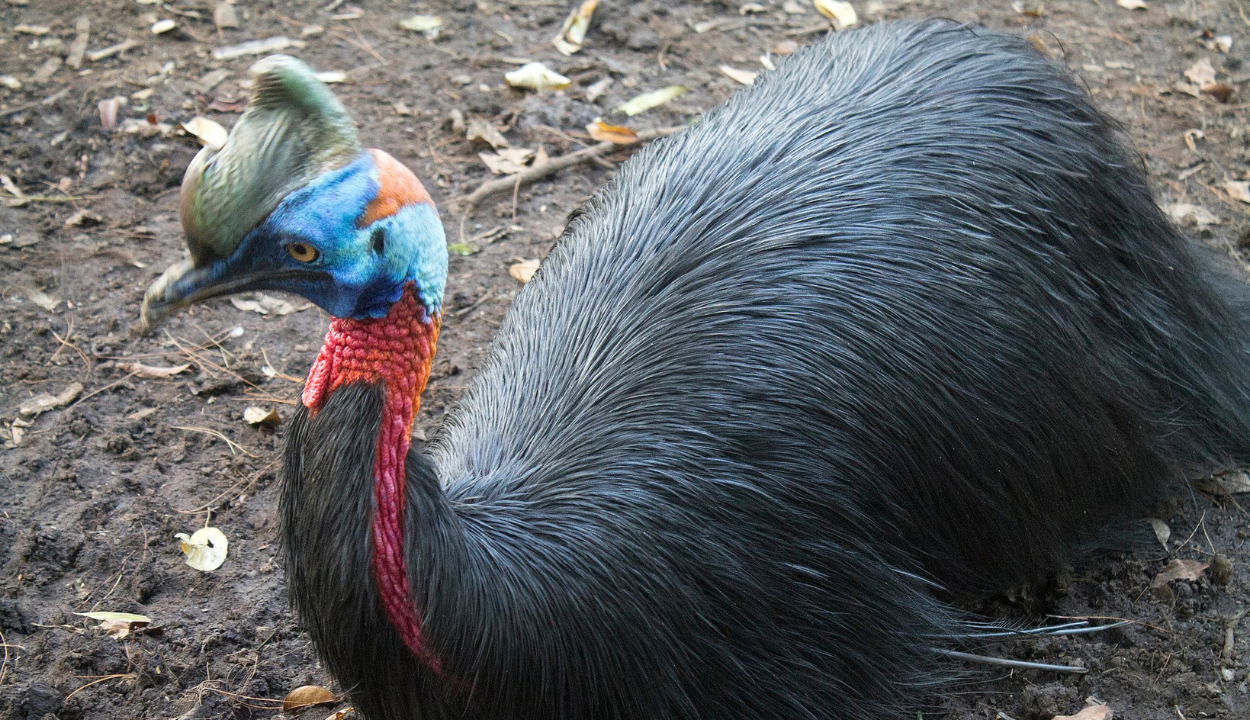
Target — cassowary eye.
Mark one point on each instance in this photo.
(379, 241)
(302, 252)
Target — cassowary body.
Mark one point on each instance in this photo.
(898, 324)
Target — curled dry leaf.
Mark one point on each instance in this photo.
(603, 132)
(1200, 216)
(1179, 570)
(842, 13)
(118, 625)
(480, 130)
(573, 32)
(1162, 531)
(163, 26)
(210, 133)
(47, 401)
(507, 161)
(1232, 483)
(646, 101)
(536, 76)
(259, 416)
(1131, 4)
(598, 88)
(264, 305)
(1201, 73)
(1238, 190)
(152, 372)
(524, 270)
(1097, 711)
(745, 77)
(307, 696)
(427, 25)
(205, 550)
(108, 111)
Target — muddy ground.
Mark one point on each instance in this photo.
(91, 493)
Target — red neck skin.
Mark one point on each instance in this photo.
(395, 350)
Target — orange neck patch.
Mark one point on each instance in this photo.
(397, 187)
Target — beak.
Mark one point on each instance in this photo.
(184, 284)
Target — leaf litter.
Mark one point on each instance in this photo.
(118, 625)
(206, 549)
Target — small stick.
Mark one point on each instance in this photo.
(552, 166)
(1003, 662)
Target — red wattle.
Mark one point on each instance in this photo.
(395, 350)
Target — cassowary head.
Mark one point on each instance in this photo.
(291, 202)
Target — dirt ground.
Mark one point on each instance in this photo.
(92, 492)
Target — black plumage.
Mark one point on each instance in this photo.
(899, 324)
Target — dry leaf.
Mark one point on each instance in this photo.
(1162, 531)
(264, 305)
(258, 416)
(573, 33)
(1192, 136)
(163, 26)
(603, 132)
(1179, 570)
(1200, 215)
(842, 13)
(646, 101)
(1201, 73)
(205, 550)
(1131, 4)
(1238, 190)
(767, 62)
(1233, 483)
(209, 132)
(10, 82)
(152, 372)
(598, 88)
(108, 111)
(483, 131)
(536, 76)
(118, 625)
(307, 696)
(427, 25)
(332, 76)
(32, 29)
(341, 714)
(507, 161)
(1224, 43)
(47, 401)
(524, 270)
(1090, 712)
(745, 77)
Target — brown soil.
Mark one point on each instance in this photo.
(92, 495)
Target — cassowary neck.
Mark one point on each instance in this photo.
(394, 351)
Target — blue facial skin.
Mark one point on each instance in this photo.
(350, 277)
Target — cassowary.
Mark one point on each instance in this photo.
(898, 325)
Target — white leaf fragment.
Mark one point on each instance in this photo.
(842, 13)
(205, 549)
(210, 133)
(573, 32)
(47, 401)
(646, 101)
(536, 76)
(427, 25)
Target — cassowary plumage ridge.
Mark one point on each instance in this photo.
(899, 324)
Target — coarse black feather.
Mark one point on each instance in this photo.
(900, 323)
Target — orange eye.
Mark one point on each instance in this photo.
(302, 252)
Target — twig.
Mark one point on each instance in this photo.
(220, 436)
(4, 663)
(552, 166)
(128, 676)
(228, 491)
(46, 101)
(97, 391)
(1003, 662)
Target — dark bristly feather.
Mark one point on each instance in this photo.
(897, 325)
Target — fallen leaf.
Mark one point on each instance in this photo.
(480, 130)
(205, 550)
(152, 372)
(47, 401)
(427, 25)
(507, 161)
(1179, 570)
(1192, 136)
(225, 16)
(210, 133)
(32, 29)
(598, 88)
(256, 47)
(1162, 531)
(618, 134)
(1238, 190)
(258, 416)
(161, 27)
(108, 111)
(341, 714)
(10, 82)
(1201, 73)
(573, 32)
(842, 13)
(1200, 215)
(118, 625)
(83, 218)
(462, 248)
(767, 62)
(18, 434)
(1224, 43)
(536, 76)
(264, 305)
(524, 270)
(1229, 483)
(646, 101)
(1090, 712)
(745, 77)
(37, 296)
(307, 696)
(1131, 4)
